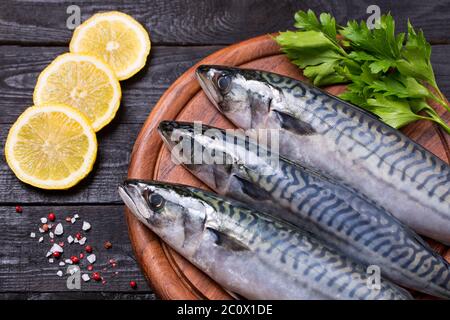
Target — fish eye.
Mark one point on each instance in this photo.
(156, 201)
(223, 82)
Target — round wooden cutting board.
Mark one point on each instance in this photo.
(170, 275)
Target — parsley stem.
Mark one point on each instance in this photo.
(439, 99)
(443, 125)
(443, 99)
(436, 118)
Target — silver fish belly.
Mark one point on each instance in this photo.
(320, 131)
(249, 253)
(340, 217)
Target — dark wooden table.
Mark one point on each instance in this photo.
(33, 33)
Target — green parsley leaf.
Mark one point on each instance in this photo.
(385, 74)
(393, 111)
(400, 86)
(314, 52)
(324, 73)
(307, 21)
(415, 57)
(381, 42)
(361, 56)
(353, 96)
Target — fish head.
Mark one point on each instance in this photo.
(180, 138)
(214, 155)
(242, 95)
(173, 212)
(199, 148)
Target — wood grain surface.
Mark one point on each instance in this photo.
(33, 32)
(25, 269)
(196, 22)
(172, 276)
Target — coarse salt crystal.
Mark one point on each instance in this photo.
(44, 220)
(91, 258)
(82, 241)
(76, 216)
(69, 239)
(51, 235)
(59, 229)
(59, 273)
(75, 240)
(41, 230)
(68, 261)
(56, 247)
(51, 260)
(86, 226)
(85, 277)
(73, 220)
(41, 239)
(48, 254)
(62, 263)
(33, 235)
(73, 270)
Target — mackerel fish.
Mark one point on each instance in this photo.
(232, 166)
(321, 131)
(248, 252)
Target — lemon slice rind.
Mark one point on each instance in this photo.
(114, 104)
(130, 22)
(75, 176)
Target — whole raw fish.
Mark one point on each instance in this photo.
(232, 165)
(249, 253)
(341, 140)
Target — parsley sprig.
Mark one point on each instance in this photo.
(388, 74)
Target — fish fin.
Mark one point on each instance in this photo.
(251, 190)
(294, 125)
(228, 242)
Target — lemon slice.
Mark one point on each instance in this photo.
(52, 147)
(83, 82)
(116, 38)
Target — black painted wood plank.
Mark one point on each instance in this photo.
(440, 57)
(24, 267)
(116, 140)
(20, 67)
(24, 271)
(70, 295)
(115, 144)
(207, 21)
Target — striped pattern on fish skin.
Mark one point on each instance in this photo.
(351, 145)
(367, 234)
(339, 217)
(302, 258)
(249, 253)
